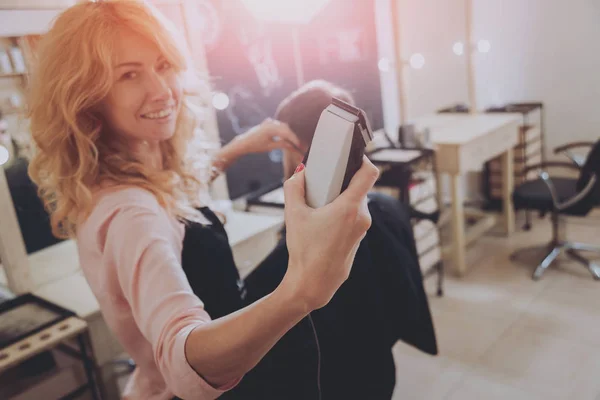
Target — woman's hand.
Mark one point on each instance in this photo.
(267, 136)
(322, 242)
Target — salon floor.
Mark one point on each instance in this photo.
(503, 336)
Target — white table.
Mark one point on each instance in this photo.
(463, 143)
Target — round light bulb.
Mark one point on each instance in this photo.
(4, 155)
(484, 46)
(220, 101)
(417, 61)
(458, 48)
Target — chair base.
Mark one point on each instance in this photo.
(557, 246)
(570, 249)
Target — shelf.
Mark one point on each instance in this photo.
(522, 108)
(13, 75)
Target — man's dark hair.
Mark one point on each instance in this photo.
(302, 109)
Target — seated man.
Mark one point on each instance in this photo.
(343, 350)
(301, 110)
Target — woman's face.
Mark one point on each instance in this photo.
(143, 103)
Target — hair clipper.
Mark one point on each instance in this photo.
(336, 152)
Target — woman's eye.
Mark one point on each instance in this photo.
(165, 65)
(129, 75)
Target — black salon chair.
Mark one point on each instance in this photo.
(564, 197)
(33, 219)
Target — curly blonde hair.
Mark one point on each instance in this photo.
(72, 154)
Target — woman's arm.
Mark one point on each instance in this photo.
(321, 242)
(264, 137)
(226, 156)
(197, 357)
(227, 348)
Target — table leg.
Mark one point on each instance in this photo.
(438, 185)
(405, 186)
(507, 189)
(88, 365)
(458, 226)
(438, 192)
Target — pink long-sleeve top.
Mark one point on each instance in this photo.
(130, 253)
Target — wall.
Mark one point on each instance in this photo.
(542, 50)
(546, 50)
(429, 27)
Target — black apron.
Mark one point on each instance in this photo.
(356, 357)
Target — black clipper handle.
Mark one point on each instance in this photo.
(355, 158)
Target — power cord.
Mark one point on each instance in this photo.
(312, 324)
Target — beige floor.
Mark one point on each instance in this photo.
(503, 336)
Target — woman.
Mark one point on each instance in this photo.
(112, 121)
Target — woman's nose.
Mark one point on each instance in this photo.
(158, 87)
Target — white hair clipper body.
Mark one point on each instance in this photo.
(336, 152)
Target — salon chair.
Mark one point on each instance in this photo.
(563, 197)
(33, 219)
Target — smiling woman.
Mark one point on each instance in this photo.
(117, 167)
(106, 105)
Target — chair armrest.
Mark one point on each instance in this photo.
(569, 146)
(566, 150)
(577, 160)
(571, 201)
(550, 164)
